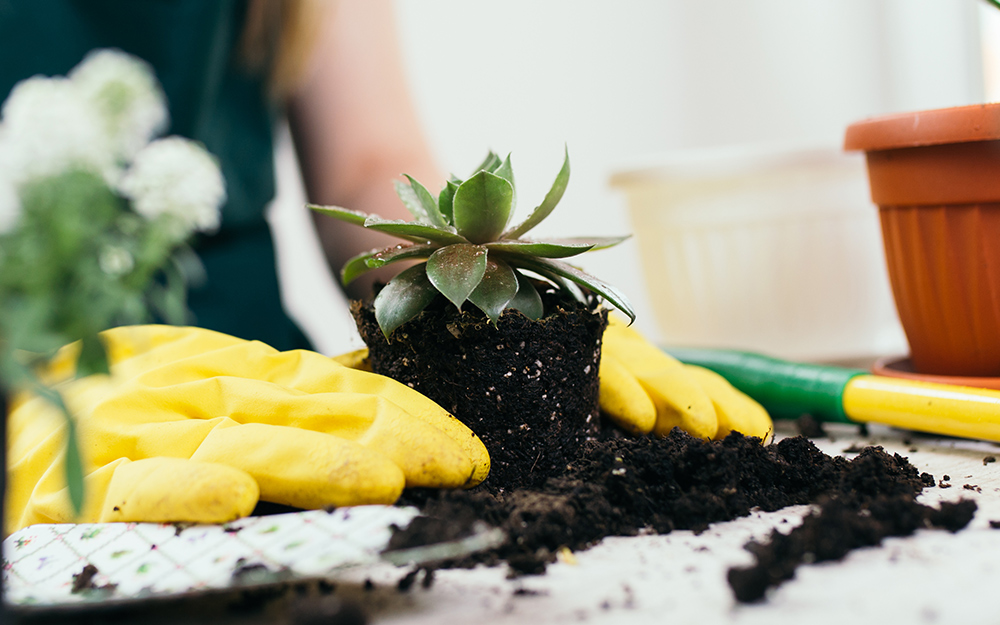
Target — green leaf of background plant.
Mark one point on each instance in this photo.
(74, 463)
(548, 204)
(446, 200)
(418, 233)
(497, 288)
(428, 202)
(92, 359)
(344, 214)
(559, 268)
(74, 466)
(456, 270)
(527, 300)
(403, 298)
(482, 207)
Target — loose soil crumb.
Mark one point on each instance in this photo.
(84, 581)
(810, 427)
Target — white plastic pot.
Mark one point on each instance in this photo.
(771, 250)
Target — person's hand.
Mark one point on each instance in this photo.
(193, 426)
(643, 390)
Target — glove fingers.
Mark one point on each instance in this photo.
(166, 490)
(314, 373)
(736, 411)
(679, 400)
(302, 468)
(421, 408)
(156, 490)
(140, 422)
(681, 403)
(623, 399)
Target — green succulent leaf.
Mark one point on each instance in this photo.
(506, 171)
(527, 300)
(482, 207)
(554, 248)
(490, 163)
(373, 259)
(418, 233)
(446, 200)
(548, 204)
(344, 214)
(408, 195)
(428, 202)
(456, 271)
(401, 252)
(403, 298)
(355, 266)
(547, 266)
(497, 288)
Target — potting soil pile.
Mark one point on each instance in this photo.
(618, 486)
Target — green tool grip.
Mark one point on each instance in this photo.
(786, 389)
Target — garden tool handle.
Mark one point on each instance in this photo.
(786, 389)
(829, 393)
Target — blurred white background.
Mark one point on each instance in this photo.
(620, 81)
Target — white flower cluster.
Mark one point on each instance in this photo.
(176, 178)
(101, 118)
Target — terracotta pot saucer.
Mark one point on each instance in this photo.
(897, 367)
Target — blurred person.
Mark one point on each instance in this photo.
(230, 69)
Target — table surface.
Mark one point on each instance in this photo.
(931, 577)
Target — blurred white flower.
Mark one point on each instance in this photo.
(115, 261)
(47, 128)
(126, 94)
(178, 178)
(10, 206)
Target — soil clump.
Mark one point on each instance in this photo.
(528, 388)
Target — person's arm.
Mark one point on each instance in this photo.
(356, 130)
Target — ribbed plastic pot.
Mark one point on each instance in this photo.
(935, 176)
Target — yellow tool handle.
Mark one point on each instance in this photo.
(924, 406)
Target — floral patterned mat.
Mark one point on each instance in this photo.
(42, 563)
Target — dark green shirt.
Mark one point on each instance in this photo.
(212, 99)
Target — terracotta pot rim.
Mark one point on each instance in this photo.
(901, 367)
(957, 124)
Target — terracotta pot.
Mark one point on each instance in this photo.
(935, 176)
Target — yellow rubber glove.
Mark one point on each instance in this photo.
(644, 389)
(193, 425)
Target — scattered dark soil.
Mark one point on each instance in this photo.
(527, 388)
(836, 529)
(624, 486)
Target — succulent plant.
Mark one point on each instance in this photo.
(471, 252)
